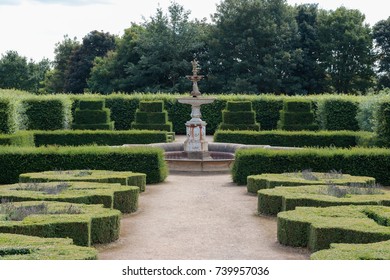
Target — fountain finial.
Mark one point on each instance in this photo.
(195, 78)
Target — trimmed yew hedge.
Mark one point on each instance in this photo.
(113, 196)
(268, 181)
(273, 201)
(371, 251)
(126, 178)
(21, 138)
(94, 225)
(23, 247)
(317, 228)
(98, 137)
(373, 162)
(149, 161)
(342, 139)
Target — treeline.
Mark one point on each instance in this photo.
(251, 46)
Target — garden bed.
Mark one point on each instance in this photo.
(113, 196)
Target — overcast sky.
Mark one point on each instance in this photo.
(33, 27)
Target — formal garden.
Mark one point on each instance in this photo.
(66, 180)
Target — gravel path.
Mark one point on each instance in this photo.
(198, 216)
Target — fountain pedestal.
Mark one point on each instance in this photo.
(195, 146)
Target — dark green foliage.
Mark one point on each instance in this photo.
(93, 225)
(151, 117)
(98, 137)
(23, 247)
(9, 110)
(297, 115)
(238, 106)
(338, 113)
(113, 196)
(356, 161)
(46, 113)
(161, 127)
(317, 228)
(241, 117)
(21, 138)
(22, 160)
(92, 116)
(381, 36)
(383, 127)
(342, 139)
(98, 104)
(98, 126)
(151, 106)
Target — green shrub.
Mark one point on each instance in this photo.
(240, 117)
(338, 112)
(21, 138)
(239, 106)
(93, 225)
(151, 117)
(98, 126)
(306, 177)
(373, 162)
(297, 115)
(98, 137)
(22, 247)
(126, 178)
(113, 196)
(342, 139)
(92, 116)
(47, 112)
(383, 127)
(12, 117)
(151, 106)
(92, 104)
(22, 160)
(273, 201)
(317, 228)
(371, 251)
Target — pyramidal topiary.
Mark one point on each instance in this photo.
(297, 115)
(92, 114)
(239, 115)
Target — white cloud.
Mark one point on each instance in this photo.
(61, 2)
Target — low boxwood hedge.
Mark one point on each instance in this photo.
(268, 181)
(273, 201)
(98, 137)
(94, 224)
(342, 139)
(371, 251)
(126, 178)
(372, 162)
(113, 196)
(23, 247)
(317, 228)
(147, 160)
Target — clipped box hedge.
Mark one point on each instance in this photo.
(297, 114)
(126, 178)
(342, 139)
(373, 162)
(239, 106)
(92, 104)
(151, 106)
(113, 196)
(317, 228)
(46, 112)
(268, 181)
(273, 201)
(23, 247)
(149, 161)
(371, 251)
(92, 116)
(98, 137)
(94, 225)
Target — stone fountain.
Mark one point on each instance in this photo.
(196, 146)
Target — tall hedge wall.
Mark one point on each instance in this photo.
(372, 162)
(14, 162)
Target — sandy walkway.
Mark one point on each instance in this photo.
(192, 216)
